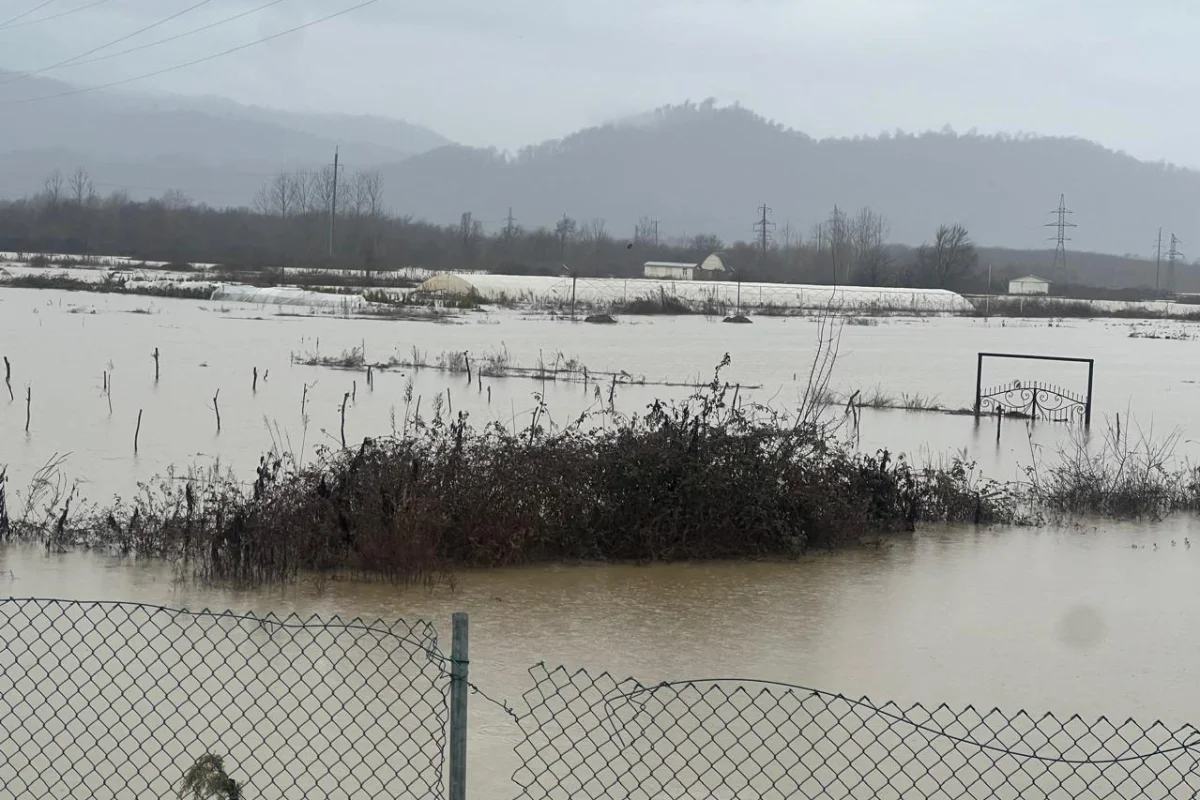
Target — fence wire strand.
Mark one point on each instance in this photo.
(111, 699)
(591, 736)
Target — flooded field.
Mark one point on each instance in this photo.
(1092, 619)
(64, 347)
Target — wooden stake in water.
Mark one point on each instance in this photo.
(155, 356)
(8, 378)
(354, 391)
(467, 361)
(137, 431)
(449, 405)
(28, 405)
(217, 410)
(999, 420)
(254, 385)
(345, 398)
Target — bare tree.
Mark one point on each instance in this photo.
(276, 197)
(302, 187)
(470, 231)
(368, 193)
(79, 186)
(705, 244)
(871, 261)
(644, 232)
(54, 187)
(175, 200)
(322, 189)
(838, 238)
(949, 259)
(564, 231)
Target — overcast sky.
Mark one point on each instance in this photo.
(513, 72)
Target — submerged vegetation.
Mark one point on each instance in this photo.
(709, 477)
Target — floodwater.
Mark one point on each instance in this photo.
(60, 351)
(1074, 621)
(1094, 619)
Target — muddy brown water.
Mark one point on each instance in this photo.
(61, 351)
(1091, 620)
(1097, 619)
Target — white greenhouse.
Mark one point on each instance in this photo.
(549, 291)
(282, 296)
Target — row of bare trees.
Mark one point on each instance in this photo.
(289, 194)
(288, 223)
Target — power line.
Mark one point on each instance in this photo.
(195, 61)
(22, 75)
(25, 14)
(59, 15)
(176, 37)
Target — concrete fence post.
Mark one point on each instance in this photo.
(459, 687)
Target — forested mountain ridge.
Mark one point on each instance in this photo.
(704, 168)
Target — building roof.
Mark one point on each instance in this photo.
(676, 264)
(1028, 278)
(713, 264)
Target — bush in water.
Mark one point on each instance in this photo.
(708, 478)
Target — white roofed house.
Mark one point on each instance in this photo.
(712, 269)
(1030, 284)
(669, 270)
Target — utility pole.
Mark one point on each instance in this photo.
(333, 204)
(763, 228)
(1060, 238)
(1173, 255)
(1158, 259)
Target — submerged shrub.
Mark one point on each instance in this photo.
(706, 478)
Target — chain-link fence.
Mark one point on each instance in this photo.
(596, 737)
(116, 700)
(122, 700)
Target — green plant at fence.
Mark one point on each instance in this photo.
(207, 780)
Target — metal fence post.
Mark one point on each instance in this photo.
(459, 664)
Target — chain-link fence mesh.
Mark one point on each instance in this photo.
(120, 700)
(596, 737)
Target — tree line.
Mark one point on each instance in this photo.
(288, 223)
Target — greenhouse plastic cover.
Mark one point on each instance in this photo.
(536, 289)
(238, 293)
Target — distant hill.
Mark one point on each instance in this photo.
(212, 149)
(703, 168)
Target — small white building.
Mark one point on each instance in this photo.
(1030, 284)
(669, 270)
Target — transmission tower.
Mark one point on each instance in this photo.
(1060, 224)
(1173, 255)
(763, 228)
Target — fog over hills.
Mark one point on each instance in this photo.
(694, 167)
(701, 168)
(214, 150)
